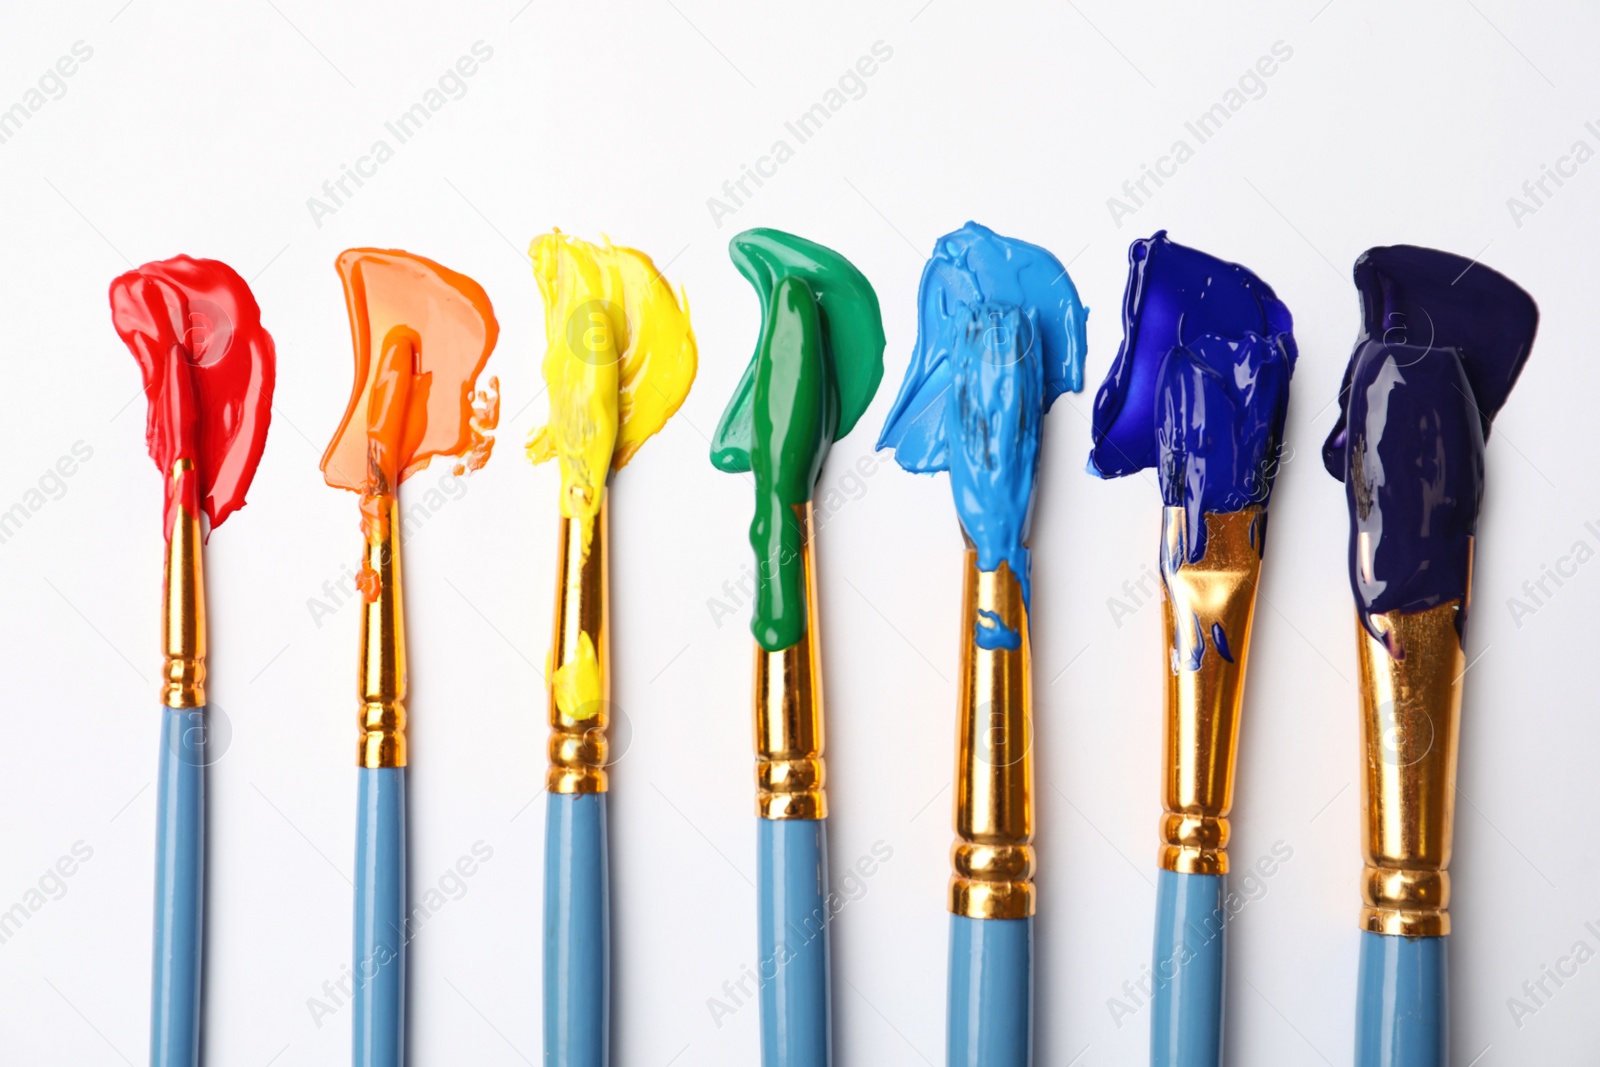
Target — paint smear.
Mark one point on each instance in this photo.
(1000, 335)
(422, 334)
(621, 357)
(576, 683)
(1443, 340)
(1200, 386)
(816, 367)
(208, 367)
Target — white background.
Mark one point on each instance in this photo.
(204, 129)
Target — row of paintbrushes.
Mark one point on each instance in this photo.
(1198, 393)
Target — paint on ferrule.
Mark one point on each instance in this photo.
(1000, 335)
(816, 367)
(1443, 340)
(1200, 387)
(991, 632)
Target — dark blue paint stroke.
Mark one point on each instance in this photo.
(991, 632)
(1200, 386)
(1442, 342)
(1219, 638)
(1000, 334)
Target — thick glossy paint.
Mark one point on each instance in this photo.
(996, 402)
(1189, 966)
(990, 1021)
(970, 267)
(793, 912)
(378, 1005)
(208, 367)
(421, 335)
(1402, 1002)
(1442, 342)
(180, 890)
(577, 932)
(1000, 335)
(1200, 386)
(816, 366)
(619, 361)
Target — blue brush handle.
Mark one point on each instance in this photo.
(1190, 964)
(792, 892)
(577, 932)
(380, 941)
(1403, 1002)
(180, 890)
(989, 1018)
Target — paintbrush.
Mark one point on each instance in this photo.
(1198, 392)
(421, 335)
(208, 367)
(1000, 335)
(620, 360)
(1443, 339)
(816, 366)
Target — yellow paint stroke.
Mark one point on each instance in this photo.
(576, 683)
(620, 359)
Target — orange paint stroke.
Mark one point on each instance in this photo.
(422, 334)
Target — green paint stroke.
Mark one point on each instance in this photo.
(815, 369)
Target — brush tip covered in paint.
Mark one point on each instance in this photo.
(1000, 335)
(1199, 389)
(619, 361)
(970, 266)
(1443, 342)
(209, 368)
(421, 335)
(816, 366)
(852, 337)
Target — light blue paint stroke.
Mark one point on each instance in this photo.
(1000, 335)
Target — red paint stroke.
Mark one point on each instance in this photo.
(208, 368)
(422, 334)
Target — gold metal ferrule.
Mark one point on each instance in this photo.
(788, 712)
(183, 611)
(581, 644)
(1201, 738)
(1410, 722)
(992, 859)
(383, 649)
